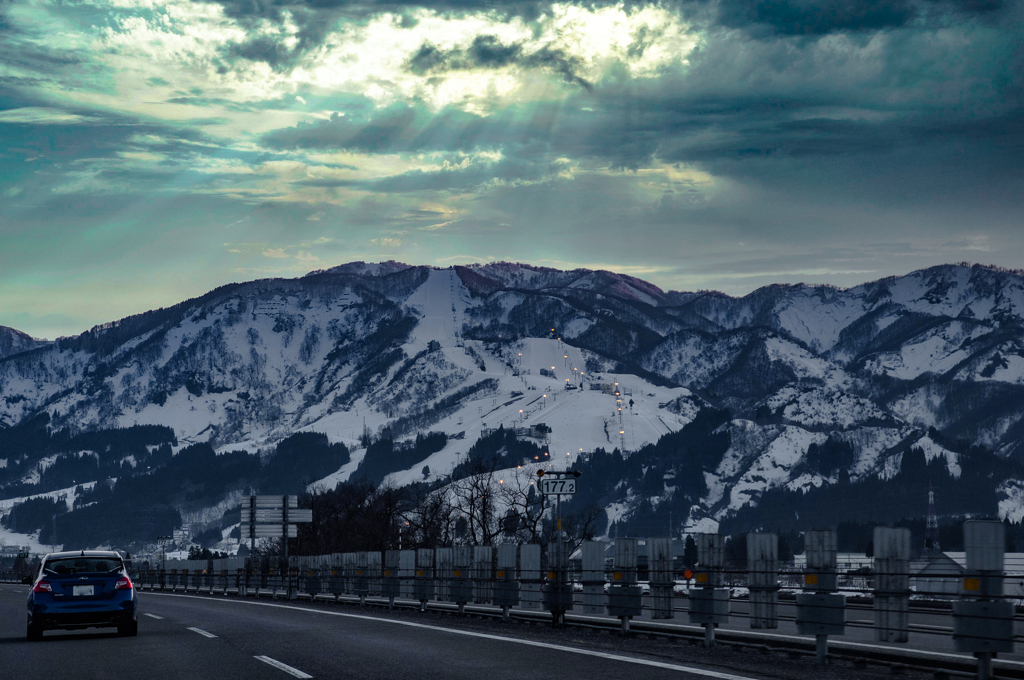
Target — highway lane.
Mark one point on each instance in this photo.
(204, 637)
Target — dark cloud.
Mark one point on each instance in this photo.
(392, 129)
(317, 18)
(265, 49)
(487, 51)
(814, 18)
(795, 17)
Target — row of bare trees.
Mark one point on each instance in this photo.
(485, 507)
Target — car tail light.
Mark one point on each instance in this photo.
(123, 583)
(42, 587)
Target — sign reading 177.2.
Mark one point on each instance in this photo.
(558, 483)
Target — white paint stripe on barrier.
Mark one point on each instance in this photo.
(487, 636)
(202, 632)
(294, 672)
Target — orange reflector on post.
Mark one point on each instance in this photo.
(972, 584)
(387, 572)
(419, 572)
(811, 579)
(359, 572)
(702, 578)
(458, 572)
(552, 575)
(501, 574)
(687, 574)
(617, 575)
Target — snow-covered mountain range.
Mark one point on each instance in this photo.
(14, 341)
(917, 361)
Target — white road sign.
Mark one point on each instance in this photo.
(550, 486)
(269, 531)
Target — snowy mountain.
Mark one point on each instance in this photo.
(931, 362)
(13, 341)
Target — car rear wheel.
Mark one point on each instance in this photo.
(128, 629)
(34, 632)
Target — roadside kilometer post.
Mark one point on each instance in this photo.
(558, 592)
(558, 484)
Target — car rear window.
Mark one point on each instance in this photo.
(83, 565)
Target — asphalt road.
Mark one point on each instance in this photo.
(195, 638)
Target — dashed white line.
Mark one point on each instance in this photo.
(153, 616)
(294, 672)
(455, 631)
(202, 632)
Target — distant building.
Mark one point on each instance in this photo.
(941, 576)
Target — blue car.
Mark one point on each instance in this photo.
(85, 589)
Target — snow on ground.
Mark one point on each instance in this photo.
(344, 472)
(1012, 507)
(803, 363)
(818, 316)
(868, 444)
(937, 351)
(933, 450)
(920, 406)
(579, 418)
(824, 407)
(1010, 368)
(69, 494)
(806, 481)
(773, 466)
(701, 525)
(29, 540)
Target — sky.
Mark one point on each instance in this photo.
(151, 150)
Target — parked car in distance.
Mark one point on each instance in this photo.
(84, 589)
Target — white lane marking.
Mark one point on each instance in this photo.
(294, 672)
(486, 636)
(153, 616)
(202, 632)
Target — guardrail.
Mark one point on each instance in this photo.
(535, 582)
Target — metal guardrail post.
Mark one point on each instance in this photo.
(461, 587)
(407, 573)
(659, 568)
(506, 586)
(892, 584)
(483, 573)
(362, 579)
(763, 579)
(424, 586)
(594, 601)
(530, 576)
(390, 583)
(443, 566)
(557, 589)
(709, 602)
(983, 620)
(625, 597)
(822, 612)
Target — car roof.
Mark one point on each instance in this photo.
(83, 553)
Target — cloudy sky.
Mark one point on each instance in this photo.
(153, 149)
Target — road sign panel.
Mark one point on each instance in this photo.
(556, 487)
(276, 501)
(268, 531)
(263, 516)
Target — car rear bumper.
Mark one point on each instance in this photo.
(114, 614)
